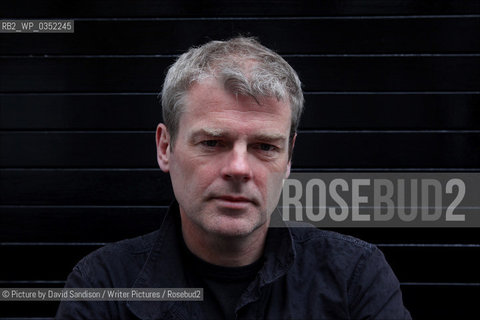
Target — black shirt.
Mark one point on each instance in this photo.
(222, 286)
(305, 274)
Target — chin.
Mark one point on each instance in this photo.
(236, 228)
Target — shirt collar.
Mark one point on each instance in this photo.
(279, 255)
(164, 268)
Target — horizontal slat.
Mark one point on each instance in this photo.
(72, 149)
(32, 284)
(22, 310)
(387, 149)
(176, 8)
(414, 236)
(410, 264)
(89, 224)
(321, 149)
(441, 302)
(71, 112)
(319, 73)
(313, 35)
(87, 187)
(322, 111)
(77, 224)
(434, 264)
(391, 111)
(56, 261)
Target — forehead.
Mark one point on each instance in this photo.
(208, 101)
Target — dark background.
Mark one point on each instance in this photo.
(390, 85)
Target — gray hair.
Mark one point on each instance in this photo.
(243, 65)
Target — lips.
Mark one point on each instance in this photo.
(233, 199)
(233, 202)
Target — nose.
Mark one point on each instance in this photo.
(237, 166)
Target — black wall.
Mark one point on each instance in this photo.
(390, 85)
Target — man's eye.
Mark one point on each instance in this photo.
(210, 143)
(266, 147)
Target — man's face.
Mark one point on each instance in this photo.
(229, 159)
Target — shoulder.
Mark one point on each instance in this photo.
(134, 246)
(116, 261)
(352, 270)
(313, 236)
(328, 250)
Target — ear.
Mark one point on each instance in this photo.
(289, 165)
(162, 138)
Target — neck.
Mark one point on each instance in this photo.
(228, 251)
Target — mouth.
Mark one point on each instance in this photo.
(233, 202)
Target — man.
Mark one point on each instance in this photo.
(231, 110)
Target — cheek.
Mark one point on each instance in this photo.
(180, 174)
(266, 185)
(191, 176)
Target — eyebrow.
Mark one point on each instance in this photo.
(210, 132)
(220, 133)
(270, 137)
